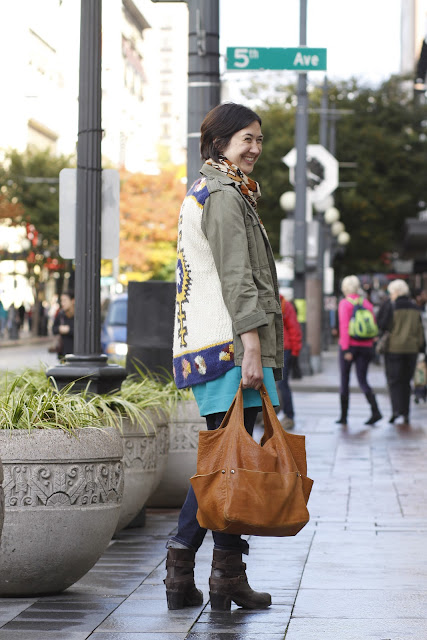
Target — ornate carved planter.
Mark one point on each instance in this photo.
(62, 502)
(184, 429)
(1, 499)
(145, 457)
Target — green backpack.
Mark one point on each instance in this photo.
(362, 325)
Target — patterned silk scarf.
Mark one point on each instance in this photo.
(249, 188)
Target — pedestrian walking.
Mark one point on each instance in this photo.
(228, 329)
(13, 323)
(21, 315)
(355, 349)
(292, 341)
(63, 325)
(3, 319)
(401, 317)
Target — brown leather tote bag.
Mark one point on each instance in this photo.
(243, 487)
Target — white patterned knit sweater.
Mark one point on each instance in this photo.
(203, 335)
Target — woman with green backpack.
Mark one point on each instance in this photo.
(357, 330)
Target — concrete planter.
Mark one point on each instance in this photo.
(144, 460)
(62, 502)
(1, 499)
(184, 429)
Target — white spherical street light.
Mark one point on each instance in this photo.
(332, 215)
(337, 228)
(287, 201)
(343, 238)
(324, 204)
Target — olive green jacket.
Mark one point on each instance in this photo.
(246, 268)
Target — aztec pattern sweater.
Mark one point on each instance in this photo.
(203, 333)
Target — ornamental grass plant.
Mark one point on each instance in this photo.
(25, 405)
(31, 400)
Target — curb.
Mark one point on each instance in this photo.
(22, 342)
(325, 388)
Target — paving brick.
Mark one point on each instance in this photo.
(356, 571)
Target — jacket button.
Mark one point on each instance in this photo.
(232, 471)
(223, 471)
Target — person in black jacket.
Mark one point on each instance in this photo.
(401, 317)
(63, 325)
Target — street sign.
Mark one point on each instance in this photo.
(110, 213)
(294, 58)
(322, 171)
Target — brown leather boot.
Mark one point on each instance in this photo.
(180, 588)
(228, 582)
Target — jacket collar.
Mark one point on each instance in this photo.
(210, 172)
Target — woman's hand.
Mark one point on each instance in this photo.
(252, 375)
(348, 356)
(63, 329)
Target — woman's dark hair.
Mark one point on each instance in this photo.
(220, 125)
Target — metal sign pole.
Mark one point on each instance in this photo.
(301, 134)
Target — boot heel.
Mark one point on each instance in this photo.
(220, 602)
(175, 599)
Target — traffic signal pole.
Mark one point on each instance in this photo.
(301, 135)
(204, 87)
(203, 75)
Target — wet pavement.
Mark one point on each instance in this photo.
(357, 571)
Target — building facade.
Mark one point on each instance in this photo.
(144, 80)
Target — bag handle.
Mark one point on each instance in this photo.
(236, 405)
(269, 415)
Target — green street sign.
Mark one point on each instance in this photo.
(292, 58)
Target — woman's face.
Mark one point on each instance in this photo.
(245, 147)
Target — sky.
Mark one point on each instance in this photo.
(362, 37)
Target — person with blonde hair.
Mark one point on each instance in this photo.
(354, 350)
(401, 317)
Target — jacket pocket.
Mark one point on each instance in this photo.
(256, 242)
(269, 303)
(268, 335)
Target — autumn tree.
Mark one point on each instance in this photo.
(30, 197)
(31, 179)
(149, 209)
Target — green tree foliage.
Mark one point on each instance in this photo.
(384, 135)
(22, 180)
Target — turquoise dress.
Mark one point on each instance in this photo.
(216, 395)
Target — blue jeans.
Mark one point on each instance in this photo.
(190, 533)
(285, 394)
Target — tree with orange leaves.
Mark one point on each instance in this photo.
(149, 210)
(10, 209)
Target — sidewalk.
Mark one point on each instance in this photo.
(329, 378)
(357, 571)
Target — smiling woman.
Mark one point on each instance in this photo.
(245, 147)
(228, 328)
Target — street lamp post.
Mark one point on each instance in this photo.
(87, 365)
